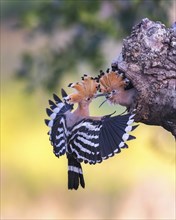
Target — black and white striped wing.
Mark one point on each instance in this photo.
(83, 142)
(58, 136)
(57, 123)
(92, 141)
(114, 134)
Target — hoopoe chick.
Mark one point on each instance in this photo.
(84, 138)
(113, 85)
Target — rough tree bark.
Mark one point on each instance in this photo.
(148, 59)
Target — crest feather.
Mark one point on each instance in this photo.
(87, 88)
(111, 81)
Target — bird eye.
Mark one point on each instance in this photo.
(88, 99)
(113, 91)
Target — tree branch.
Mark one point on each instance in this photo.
(148, 59)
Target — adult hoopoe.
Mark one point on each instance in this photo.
(114, 86)
(84, 138)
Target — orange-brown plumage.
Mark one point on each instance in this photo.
(111, 81)
(85, 90)
(113, 85)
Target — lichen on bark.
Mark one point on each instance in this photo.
(148, 59)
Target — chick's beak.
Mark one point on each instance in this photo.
(102, 103)
(108, 97)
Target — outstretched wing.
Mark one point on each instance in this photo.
(114, 134)
(57, 123)
(92, 141)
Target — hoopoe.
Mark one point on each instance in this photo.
(82, 137)
(114, 86)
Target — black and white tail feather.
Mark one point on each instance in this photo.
(89, 141)
(75, 173)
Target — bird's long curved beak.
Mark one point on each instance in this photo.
(102, 103)
(99, 95)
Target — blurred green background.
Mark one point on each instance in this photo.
(45, 45)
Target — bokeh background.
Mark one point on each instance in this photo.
(45, 45)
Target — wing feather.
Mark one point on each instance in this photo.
(58, 130)
(92, 141)
(58, 136)
(84, 140)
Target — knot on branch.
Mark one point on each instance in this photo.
(148, 44)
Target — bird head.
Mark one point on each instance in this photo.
(85, 91)
(112, 85)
